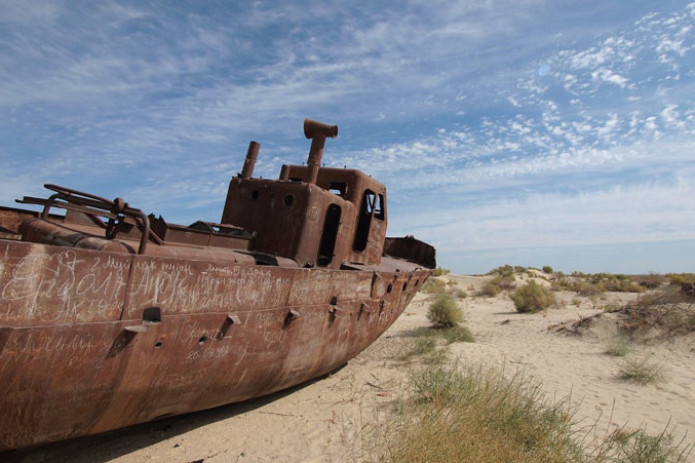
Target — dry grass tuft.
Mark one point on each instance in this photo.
(619, 347)
(641, 371)
(480, 416)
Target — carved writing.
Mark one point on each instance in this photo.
(62, 286)
(211, 287)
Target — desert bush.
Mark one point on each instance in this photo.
(651, 281)
(677, 279)
(459, 293)
(439, 271)
(614, 283)
(490, 289)
(532, 298)
(433, 286)
(444, 312)
(641, 371)
(503, 270)
(506, 282)
(547, 269)
(587, 289)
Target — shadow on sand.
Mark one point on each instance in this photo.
(104, 447)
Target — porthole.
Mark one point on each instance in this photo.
(289, 199)
(255, 194)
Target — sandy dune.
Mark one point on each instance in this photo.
(328, 419)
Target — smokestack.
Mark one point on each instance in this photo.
(250, 161)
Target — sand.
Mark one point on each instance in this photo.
(329, 419)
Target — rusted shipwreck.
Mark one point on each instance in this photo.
(110, 317)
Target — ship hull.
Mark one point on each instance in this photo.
(92, 341)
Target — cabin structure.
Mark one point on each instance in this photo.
(317, 216)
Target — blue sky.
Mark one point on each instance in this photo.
(529, 132)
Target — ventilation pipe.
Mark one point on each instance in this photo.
(317, 131)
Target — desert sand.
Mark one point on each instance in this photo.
(329, 419)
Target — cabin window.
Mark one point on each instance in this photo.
(329, 235)
(379, 212)
(338, 188)
(364, 221)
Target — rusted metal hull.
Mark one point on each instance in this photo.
(92, 341)
(110, 317)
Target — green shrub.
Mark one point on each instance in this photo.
(587, 289)
(433, 286)
(444, 312)
(677, 279)
(505, 282)
(439, 271)
(547, 269)
(532, 298)
(504, 270)
(490, 289)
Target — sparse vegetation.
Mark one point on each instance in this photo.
(433, 286)
(444, 312)
(458, 333)
(640, 371)
(677, 279)
(532, 298)
(651, 281)
(669, 309)
(481, 416)
(439, 271)
(476, 417)
(459, 293)
(547, 269)
(504, 270)
(490, 289)
(506, 282)
(589, 285)
(619, 347)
